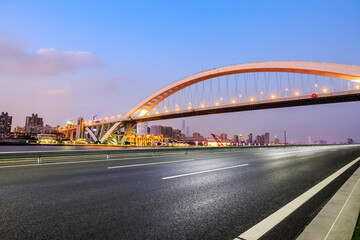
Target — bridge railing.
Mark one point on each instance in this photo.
(41, 156)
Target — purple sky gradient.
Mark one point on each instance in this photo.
(68, 59)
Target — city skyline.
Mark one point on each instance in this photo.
(62, 78)
(145, 128)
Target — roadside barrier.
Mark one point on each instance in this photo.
(40, 155)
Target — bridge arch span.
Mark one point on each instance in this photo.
(341, 71)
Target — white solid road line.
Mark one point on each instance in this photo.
(205, 171)
(149, 164)
(22, 165)
(74, 162)
(271, 221)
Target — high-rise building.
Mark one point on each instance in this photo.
(277, 140)
(183, 127)
(142, 128)
(5, 122)
(241, 139)
(197, 135)
(223, 137)
(250, 138)
(157, 130)
(258, 139)
(46, 130)
(267, 138)
(236, 138)
(19, 129)
(34, 124)
(168, 132)
(177, 134)
(187, 131)
(262, 140)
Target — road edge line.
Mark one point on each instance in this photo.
(340, 209)
(261, 228)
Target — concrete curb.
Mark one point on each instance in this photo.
(338, 217)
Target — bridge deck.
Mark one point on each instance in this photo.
(350, 96)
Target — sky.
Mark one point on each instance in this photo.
(66, 59)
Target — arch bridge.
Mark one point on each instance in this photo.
(241, 87)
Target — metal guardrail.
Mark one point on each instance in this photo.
(39, 155)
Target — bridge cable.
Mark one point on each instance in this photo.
(219, 89)
(198, 95)
(203, 93)
(227, 89)
(210, 99)
(236, 86)
(294, 83)
(277, 84)
(255, 76)
(308, 84)
(175, 100)
(267, 82)
(280, 84)
(332, 86)
(163, 104)
(302, 84)
(183, 99)
(288, 74)
(191, 97)
(341, 84)
(245, 85)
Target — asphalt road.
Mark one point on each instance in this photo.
(197, 196)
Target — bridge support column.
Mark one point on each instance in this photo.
(80, 133)
(128, 129)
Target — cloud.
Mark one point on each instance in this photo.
(56, 92)
(49, 62)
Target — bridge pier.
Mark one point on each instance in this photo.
(128, 129)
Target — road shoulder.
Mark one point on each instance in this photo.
(338, 217)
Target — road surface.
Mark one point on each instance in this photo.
(203, 195)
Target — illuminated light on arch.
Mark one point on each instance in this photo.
(341, 71)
